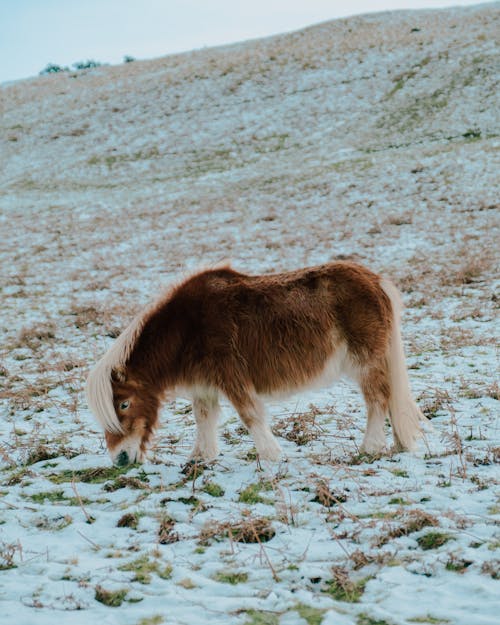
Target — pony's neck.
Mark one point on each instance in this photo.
(153, 357)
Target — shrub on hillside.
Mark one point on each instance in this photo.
(53, 68)
(90, 64)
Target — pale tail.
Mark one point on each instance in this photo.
(406, 417)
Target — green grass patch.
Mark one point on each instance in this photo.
(52, 496)
(92, 476)
(459, 565)
(351, 593)
(364, 619)
(433, 540)
(431, 620)
(192, 501)
(313, 616)
(342, 588)
(251, 494)
(157, 619)
(400, 473)
(399, 501)
(228, 577)
(143, 568)
(213, 489)
(261, 617)
(58, 496)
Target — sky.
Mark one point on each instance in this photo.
(34, 33)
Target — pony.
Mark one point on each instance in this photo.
(220, 332)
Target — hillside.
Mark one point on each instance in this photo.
(374, 138)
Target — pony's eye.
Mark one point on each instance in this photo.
(124, 405)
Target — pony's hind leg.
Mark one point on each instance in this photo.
(253, 414)
(206, 413)
(376, 390)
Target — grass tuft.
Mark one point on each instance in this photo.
(129, 520)
(364, 619)
(251, 494)
(166, 534)
(342, 588)
(433, 540)
(414, 521)
(213, 489)
(261, 617)
(143, 569)
(111, 598)
(312, 616)
(327, 497)
(7, 553)
(156, 619)
(228, 577)
(92, 476)
(248, 530)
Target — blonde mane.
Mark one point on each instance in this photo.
(98, 389)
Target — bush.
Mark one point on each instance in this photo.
(90, 64)
(52, 68)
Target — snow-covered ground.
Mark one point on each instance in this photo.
(374, 138)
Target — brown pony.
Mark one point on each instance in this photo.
(221, 332)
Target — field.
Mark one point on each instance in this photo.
(376, 139)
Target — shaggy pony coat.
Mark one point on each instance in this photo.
(222, 332)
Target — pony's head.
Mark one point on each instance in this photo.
(127, 410)
(136, 408)
(123, 403)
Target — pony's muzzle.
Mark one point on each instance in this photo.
(122, 459)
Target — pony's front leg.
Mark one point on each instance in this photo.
(206, 413)
(253, 415)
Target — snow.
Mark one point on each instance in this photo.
(279, 153)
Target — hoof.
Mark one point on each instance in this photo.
(270, 453)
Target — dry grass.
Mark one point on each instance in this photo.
(166, 533)
(399, 220)
(112, 319)
(491, 568)
(251, 529)
(342, 587)
(128, 519)
(326, 497)
(413, 521)
(434, 401)
(36, 336)
(301, 428)
(7, 555)
(471, 269)
(360, 559)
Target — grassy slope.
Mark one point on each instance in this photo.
(374, 138)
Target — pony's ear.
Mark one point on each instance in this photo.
(118, 374)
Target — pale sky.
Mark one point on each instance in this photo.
(36, 32)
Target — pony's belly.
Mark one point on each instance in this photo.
(337, 366)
